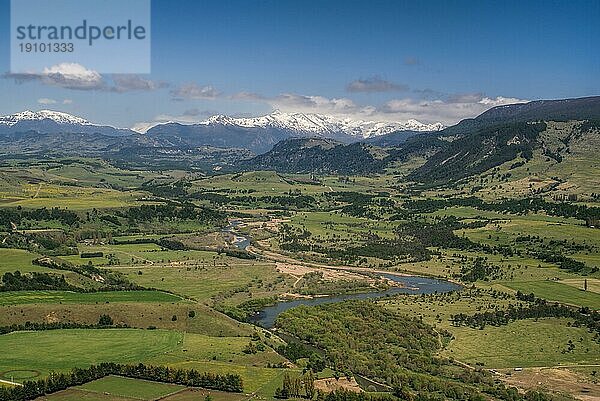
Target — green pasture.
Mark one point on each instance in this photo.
(557, 291)
(133, 388)
(201, 282)
(57, 297)
(12, 260)
(524, 343)
(61, 350)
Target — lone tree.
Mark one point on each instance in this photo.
(105, 320)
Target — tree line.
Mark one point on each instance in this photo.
(34, 281)
(104, 322)
(18, 215)
(513, 206)
(536, 309)
(78, 376)
(111, 280)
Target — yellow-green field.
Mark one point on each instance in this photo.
(68, 297)
(524, 343)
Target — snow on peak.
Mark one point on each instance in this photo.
(56, 116)
(220, 119)
(320, 124)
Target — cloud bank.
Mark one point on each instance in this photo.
(427, 106)
(375, 84)
(448, 111)
(77, 77)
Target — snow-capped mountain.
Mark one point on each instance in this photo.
(259, 134)
(56, 116)
(322, 125)
(49, 122)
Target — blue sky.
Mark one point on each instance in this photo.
(377, 60)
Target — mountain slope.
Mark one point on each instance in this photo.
(586, 108)
(501, 134)
(51, 122)
(392, 139)
(479, 151)
(316, 155)
(257, 140)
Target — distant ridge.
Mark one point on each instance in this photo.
(54, 122)
(584, 108)
(259, 134)
(311, 124)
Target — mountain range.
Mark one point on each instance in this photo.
(259, 134)
(256, 134)
(513, 133)
(314, 125)
(296, 142)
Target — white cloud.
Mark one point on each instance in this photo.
(375, 84)
(45, 101)
(72, 76)
(191, 116)
(247, 96)
(132, 82)
(76, 76)
(449, 111)
(194, 91)
(313, 104)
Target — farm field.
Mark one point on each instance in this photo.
(76, 198)
(18, 259)
(525, 343)
(131, 388)
(198, 347)
(138, 315)
(593, 285)
(59, 297)
(195, 394)
(41, 352)
(258, 380)
(36, 354)
(108, 394)
(558, 291)
(141, 254)
(74, 394)
(201, 282)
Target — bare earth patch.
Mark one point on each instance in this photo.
(554, 380)
(332, 384)
(328, 274)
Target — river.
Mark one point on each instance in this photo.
(240, 241)
(409, 285)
